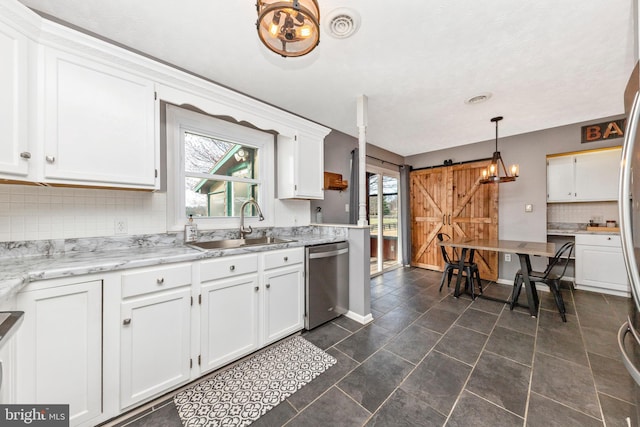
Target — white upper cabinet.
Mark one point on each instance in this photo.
(301, 167)
(99, 124)
(14, 153)
(584, 177)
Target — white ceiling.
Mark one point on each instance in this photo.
(546, 63)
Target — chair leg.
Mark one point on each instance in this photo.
(444, 275)
(469, 282)
(477, 276)
(555, 290)
(450, 277)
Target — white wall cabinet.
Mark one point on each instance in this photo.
(156, 331)
(300, 167)
(59, 347)
(599, 264)
(14, 72)
(283, 293)
(99, 123)
(584, 177)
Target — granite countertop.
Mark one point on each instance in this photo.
(573, 232)
(16, 270)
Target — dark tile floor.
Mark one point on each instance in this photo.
(429, 359)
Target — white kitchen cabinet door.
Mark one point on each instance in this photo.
(59, 348)
(301, 167)
(597, 175)
(155, 344)
(560, 179)
(283, 302)
(599, 264)
(229, 320)
(14, 153)
(99, 124)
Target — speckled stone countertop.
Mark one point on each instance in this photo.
(25, 262)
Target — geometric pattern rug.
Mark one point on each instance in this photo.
(240, 395)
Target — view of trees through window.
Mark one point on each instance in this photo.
(219, 176)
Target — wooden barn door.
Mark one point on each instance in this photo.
(451, 200)
(474, 212)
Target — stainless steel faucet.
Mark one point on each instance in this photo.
(247, 230)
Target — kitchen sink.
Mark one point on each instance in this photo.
(237, 243)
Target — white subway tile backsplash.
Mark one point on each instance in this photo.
(36, 213)
(581, 212)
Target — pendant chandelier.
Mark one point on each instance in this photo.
(289, 27)
(492, 172)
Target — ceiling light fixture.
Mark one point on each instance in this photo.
(482, 97)
(492, 172)
(289, 27)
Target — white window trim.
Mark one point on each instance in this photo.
(180, 120)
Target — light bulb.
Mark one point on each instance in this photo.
(492, 169)
(273, 29)
(484, 174)
(514, 170)
(305, 31)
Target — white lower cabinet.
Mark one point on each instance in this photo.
(155, 337)
(284, 294)
(229, 320)
(59, 347)
(599, 264)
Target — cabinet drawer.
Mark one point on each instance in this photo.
(282, 258)
(155, 279)
(612, 240)
(228, 267)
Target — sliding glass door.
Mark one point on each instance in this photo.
(383, 206)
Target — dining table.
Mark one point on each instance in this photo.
(524, 250)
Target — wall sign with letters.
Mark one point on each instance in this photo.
(603, 131)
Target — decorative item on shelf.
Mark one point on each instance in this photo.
(319, 215)
(334, 181)
(289, 28)
(492, 172)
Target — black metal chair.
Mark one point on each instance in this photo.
(470, 268)
(548, 277)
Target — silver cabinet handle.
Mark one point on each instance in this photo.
(160, 280)
(50, 159)
(257, 288)
(626, 360)
(232, 268)
(25, 155)
(126, 322)
(268, 285)
(286, 258)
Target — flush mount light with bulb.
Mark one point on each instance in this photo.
(289, 28)
(492, 173)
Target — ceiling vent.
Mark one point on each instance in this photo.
(342, 23)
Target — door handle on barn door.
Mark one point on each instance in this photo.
(449, 219)
(444, 219)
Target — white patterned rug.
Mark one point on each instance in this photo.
(240, 395)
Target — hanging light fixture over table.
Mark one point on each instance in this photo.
(289, 27)
(492, 172)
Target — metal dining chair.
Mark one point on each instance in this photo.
(453, 265)
(548, 277)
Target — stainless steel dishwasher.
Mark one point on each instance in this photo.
(327, 283)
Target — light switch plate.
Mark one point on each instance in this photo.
(190, 233)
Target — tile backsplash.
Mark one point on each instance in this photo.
(36, 213)
(582, 212)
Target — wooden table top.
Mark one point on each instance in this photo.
(510, 246)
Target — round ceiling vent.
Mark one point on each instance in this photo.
(342, 22)
(482, 97)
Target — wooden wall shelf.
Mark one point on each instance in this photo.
(334, 181)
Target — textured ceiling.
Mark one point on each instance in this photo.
(546, 63)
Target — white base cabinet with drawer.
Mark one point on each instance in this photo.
(59, 347)
(599, 264)
(156, 331)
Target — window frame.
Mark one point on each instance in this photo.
(180, 120)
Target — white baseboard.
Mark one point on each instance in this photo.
(363, 320)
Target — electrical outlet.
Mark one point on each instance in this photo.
(528, 207)
(120, 226)
(507, 257)
(346, 208)
(190, 233)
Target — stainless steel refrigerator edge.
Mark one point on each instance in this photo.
(629, 219)
(326, 283)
